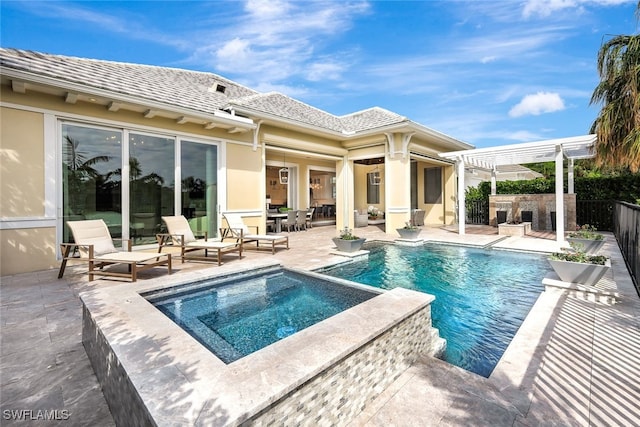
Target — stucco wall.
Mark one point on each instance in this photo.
(22, 178)
(27, 249)
(245, 179)
(22, 171)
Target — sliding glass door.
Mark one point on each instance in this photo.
(131, 186)
(199, 176)
(91, 176)
(151, 184)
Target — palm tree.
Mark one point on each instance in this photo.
(618, 123)
(78, 171)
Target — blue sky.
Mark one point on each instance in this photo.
(485, 72)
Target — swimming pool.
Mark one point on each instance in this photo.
(237, 316)
(482, 296)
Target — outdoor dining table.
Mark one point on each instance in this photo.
(278, 218)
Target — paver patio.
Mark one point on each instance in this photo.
(573, 361)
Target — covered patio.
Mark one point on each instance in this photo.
(556, 150)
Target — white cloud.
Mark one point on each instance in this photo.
(324, 71)
(522, 136)
(540, 103)
(278, 41)
(545, 8)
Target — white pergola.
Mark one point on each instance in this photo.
(577, 147)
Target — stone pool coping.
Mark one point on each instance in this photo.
(179, 381)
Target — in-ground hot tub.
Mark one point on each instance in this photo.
(153, 372)
(237, 316)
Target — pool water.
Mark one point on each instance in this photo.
(242, 315)
(482, 296)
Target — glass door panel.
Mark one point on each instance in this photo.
(91, 177)
(199, 165)
(151, 185)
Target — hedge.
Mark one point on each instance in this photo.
(624, 188)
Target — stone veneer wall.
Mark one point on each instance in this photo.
(334, 396)
(540, 204)
(340, 393)
(125, 404)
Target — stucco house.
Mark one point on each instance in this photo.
(85, 138)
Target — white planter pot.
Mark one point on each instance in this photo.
(348, 245)
(579, 272)
(589, 246)
(408, 233)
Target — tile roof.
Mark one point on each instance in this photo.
(172, 86)
(188, 89)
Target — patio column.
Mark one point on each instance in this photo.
(461, 196)
(570, 177)
(494, 190)
(559, 195)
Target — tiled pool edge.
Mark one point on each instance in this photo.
(151, 376)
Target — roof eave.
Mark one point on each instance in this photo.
(220, 117)
(261, 115)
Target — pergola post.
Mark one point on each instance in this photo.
(570, 177)
(494, 186)
(559, 195)
(461, 196)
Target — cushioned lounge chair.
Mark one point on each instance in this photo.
(181, 235)
(240, 231)
(94, 245)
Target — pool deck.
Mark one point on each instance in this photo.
(575, 361)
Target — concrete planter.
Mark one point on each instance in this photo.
(589, 246)
(408, 233)
(521, 229)
(348, 245)
(579, 272)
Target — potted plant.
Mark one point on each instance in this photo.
(576, 266)
(410, 231)
(373, 212)
(588, 237)
(347, 241)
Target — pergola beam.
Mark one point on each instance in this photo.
(556, 150)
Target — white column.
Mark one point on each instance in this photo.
(494, 190)
(461, 196)
(559, 196)
(570, 177)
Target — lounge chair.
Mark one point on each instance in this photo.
(180, 235)
(94, 245)
(239, 230)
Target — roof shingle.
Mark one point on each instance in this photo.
(188, 89)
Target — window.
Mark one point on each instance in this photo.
(433, 185)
